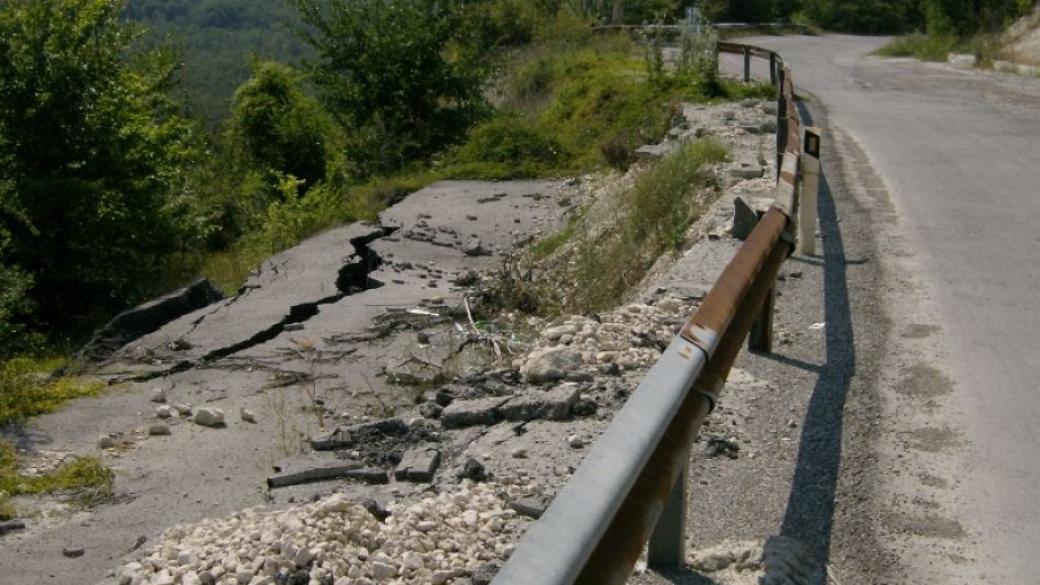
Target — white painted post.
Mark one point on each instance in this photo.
(809, 192)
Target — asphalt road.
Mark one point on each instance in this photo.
(959, 155)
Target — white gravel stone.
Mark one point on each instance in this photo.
(158, 395)
(247, 415)
(340, 541)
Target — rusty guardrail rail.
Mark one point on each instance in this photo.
(631, 489)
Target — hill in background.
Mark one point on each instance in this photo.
(217, 39)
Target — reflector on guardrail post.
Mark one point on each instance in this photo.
(809, 188)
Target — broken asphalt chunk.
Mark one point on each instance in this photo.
(468, 413)
(418, 465)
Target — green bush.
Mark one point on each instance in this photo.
(921, 46)
(275, 126)
(512, 141)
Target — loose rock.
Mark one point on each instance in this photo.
(209, 417)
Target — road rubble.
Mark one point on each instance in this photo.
(358, 372)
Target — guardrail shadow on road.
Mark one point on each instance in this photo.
(810, 509)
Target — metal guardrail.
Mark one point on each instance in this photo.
(766, 27)
(631, 489)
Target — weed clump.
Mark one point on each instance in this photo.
(85, 477)
(921, 46)
(26, 388)
(602, 253)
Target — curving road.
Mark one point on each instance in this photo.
(959, 155)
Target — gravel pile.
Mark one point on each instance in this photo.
(632, 337)
(438, 539)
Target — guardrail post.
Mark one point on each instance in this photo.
(760, 339)
(667, 548)
(747, 64)
(781, 131)
(772, 69)
(810, 188)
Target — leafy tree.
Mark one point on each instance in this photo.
(864, 16)
(275, 126)
(94, 146)
(394, 73)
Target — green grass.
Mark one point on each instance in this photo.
(25, 389)
(87, 477)
(920, 46)
(548, 245)
(657, 212)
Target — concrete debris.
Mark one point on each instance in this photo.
(530, 507)
(418, 465)
(474, 247)
(158, 430)
(345, 437)
(467, 413)
(11, 526)
(550, 364)
(209, 417)
(158, 395)
(247, 415)
(164, 411)
(73, 552)
(336, 470)
(555, 404)
(745, 169)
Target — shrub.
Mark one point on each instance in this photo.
(512, 141)
(618, 153)
(924, 47)
(275, 126)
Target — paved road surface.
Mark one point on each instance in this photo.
(959, 153)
